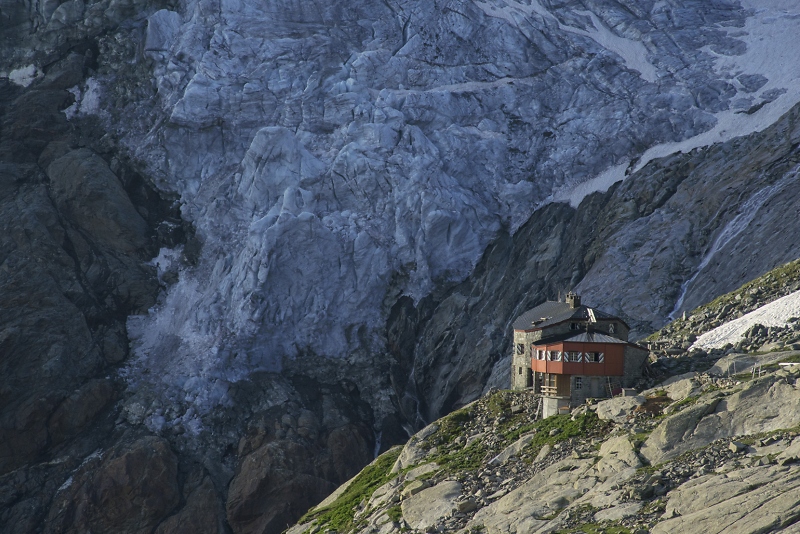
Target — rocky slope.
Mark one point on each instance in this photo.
(316, 224)
(708, 449)
(697, 451)
(773, 285)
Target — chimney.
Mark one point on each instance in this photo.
(573, 300)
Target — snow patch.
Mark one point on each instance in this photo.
(90, 103)
(72, 111)
(776, 313)
(167, 260)
(574, 195)
(633, 53)
(67, 483)
(87, 101)
(24, 76)
(770, 35)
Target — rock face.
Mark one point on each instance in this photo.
(719, 503)
(739, 414)
(271, 480)
(355, 201)
(79, 225)
(132, 491)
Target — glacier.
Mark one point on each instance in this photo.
(333, 158)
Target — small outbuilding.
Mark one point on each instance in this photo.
(568, 352)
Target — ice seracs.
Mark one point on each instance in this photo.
(333, 160)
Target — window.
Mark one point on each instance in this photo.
(520, 348)
(556, 355)
(574, 326)
(595, 357)
(520, 371)
(573, 357)
(540, 354)
(578, 382)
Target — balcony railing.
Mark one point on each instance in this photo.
(550, 391)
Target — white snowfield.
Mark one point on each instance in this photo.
(776, 313)
(771, 52)
(336, 156)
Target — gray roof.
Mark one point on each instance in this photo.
(556, 312)
(595, 337)
(583, 337)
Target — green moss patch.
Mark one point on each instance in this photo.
(581, 426)
(395, 513)
(468, 458)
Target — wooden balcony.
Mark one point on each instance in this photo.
(550, 391)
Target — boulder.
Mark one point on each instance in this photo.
(422, 510)
(682, 389)
(615, 513)
(412, 453)
(669, 438)
(469, 505)
(619, 408)
(543, 452)
(732, 364)
(424, 469)
(414, 487)
(736, 446)
(87, 192)
(547, 492)
(513, 449)
(617, 455)
(790, 454)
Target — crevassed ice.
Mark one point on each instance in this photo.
(330, 168)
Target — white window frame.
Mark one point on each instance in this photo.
(595, 357)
